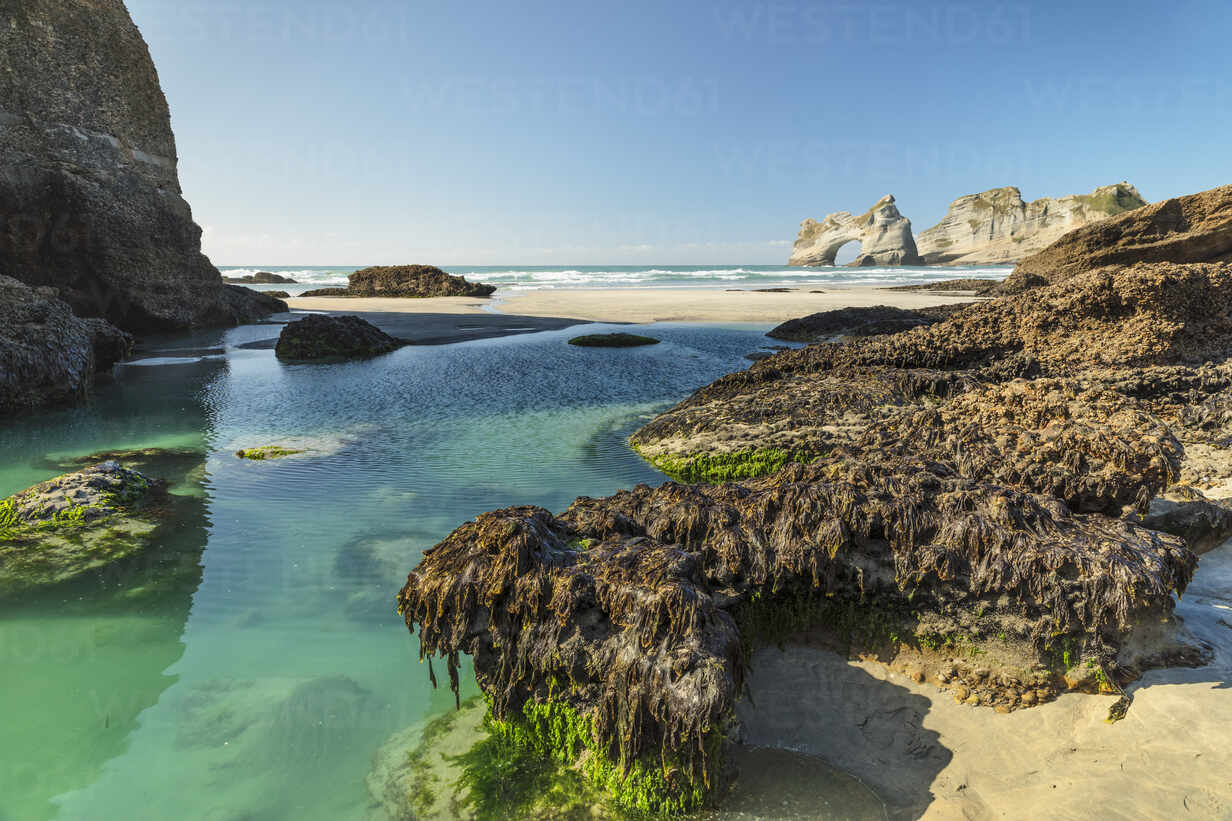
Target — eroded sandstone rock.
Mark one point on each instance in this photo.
(998, 227)
(883, 233)
(1193, 228)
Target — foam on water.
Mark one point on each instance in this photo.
(514, 279)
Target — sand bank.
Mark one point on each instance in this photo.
(642, 305)
(932, 758)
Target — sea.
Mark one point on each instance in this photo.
(251, 664)
(513, 279)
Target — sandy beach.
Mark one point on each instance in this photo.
(642, 305)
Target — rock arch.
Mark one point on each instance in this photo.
(883, 233)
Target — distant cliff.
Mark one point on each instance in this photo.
(90, 201)
(998, 227)
(883, 233)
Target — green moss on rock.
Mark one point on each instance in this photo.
(75, 523)
(265, 452)
(725, 467)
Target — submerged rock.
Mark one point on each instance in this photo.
(879, 319)
(264, 452)
(410, 281)
(997, 227)
(75, 523)
(883, 233)
(333, 338)
(612, 341)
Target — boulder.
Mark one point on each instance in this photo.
(406, 281)
(91, 200)
(333, 338)
(278, 294)
(73, 524)
(883, 233)
(827, 325)
(48, 356)
(998, 227)
(1193, 228)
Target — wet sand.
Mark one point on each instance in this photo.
(641, 305)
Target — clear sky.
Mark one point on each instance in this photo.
(681, 132)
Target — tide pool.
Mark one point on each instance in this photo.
(249, 665)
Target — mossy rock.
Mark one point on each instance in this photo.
(65, 527)
(612, 341)
(266, 452)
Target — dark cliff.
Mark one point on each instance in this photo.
(90, 201)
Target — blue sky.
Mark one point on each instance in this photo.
(662, 132)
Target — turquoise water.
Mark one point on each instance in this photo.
(514, 279)
(250, 665)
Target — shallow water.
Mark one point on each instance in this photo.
(249, 667)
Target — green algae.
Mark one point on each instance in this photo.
(557, 743)
(715, 468)
(265, 452)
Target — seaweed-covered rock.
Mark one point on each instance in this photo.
(878, 319)
(406, 281)
(333, 338)
(75, 523)
(260, 278)
(278, 294)
(984, 487)
(612, 341)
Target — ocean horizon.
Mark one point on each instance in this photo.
(515, 278)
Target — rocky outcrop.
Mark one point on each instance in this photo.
(318, 338)
(829, 325)
(1194, 228)
(260, 278)
(883, 233)
(90, 202)
(406, 281)
(49, 356)
(75, 523)
(997, 227)
(967, 500)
